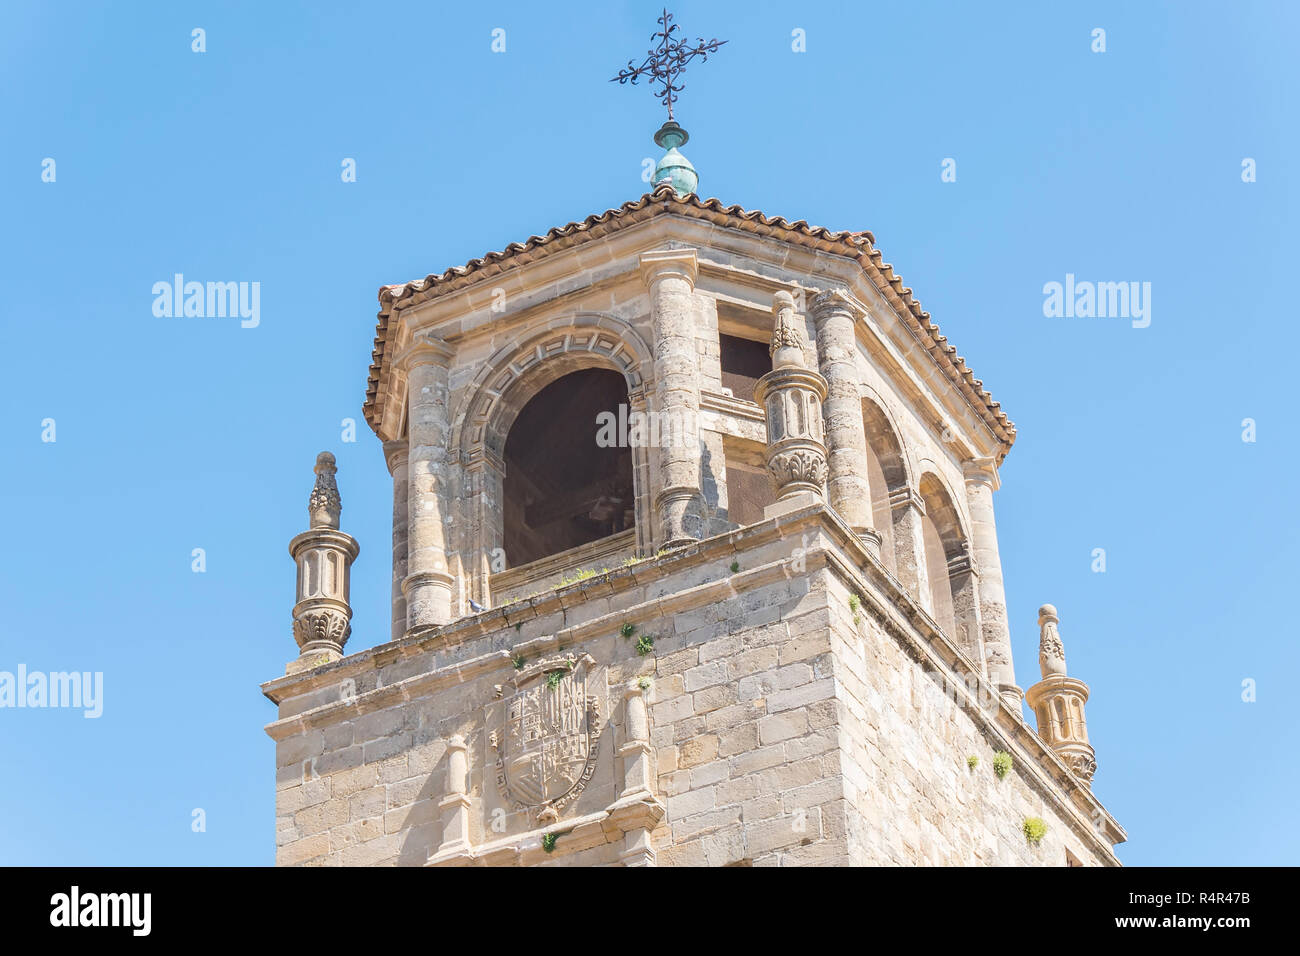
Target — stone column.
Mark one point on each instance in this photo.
(636, 743)
(428, 585)
(1057, 702)
(964, 582)
(321, 613)
(981, 481)
(638, 405)
(638, 848)
(483, 552)
(907, 508)
(846, 437)
(396, 455)
(791, 395)
(669, 274)
(454, 807)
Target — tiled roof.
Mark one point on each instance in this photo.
(664, 200)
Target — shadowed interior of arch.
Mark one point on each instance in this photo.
(562, 489)
(944, 541)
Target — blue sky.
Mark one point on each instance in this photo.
(175, 434)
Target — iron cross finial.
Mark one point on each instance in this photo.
(666, 61)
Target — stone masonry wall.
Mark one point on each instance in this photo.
(780, 732)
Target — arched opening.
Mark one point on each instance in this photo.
(948, 568)
(887, 477)
(562, 487)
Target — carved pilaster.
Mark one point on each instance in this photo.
(396, 454)
(635, 750)
(454, 806)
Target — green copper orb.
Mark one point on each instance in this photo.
(673, 166)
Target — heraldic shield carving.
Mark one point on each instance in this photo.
(545, 731)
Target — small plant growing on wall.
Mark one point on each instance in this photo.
(643, 683)
(735, 566)
(628, 629)
(1035, 829)
(645, 644)
(519, 625)
(580, 575)
(548, 842)
(855, 605)
(519, 662)
(972, 761)
(1001, 763)
(553, 679)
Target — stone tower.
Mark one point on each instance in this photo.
(694, 562)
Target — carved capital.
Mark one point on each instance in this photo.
(831, 303)
(906, 497)
(396, 454)
(425, 349)
(798, 469)
(664, 263)
(962, 562)
(982, 471)
(321, 628)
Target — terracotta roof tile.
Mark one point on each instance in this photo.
(858, 245)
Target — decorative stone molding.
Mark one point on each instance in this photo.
(1057, 701)
(906, 497)
(791, 395)
(324, 506)
(545, 734)
(324, 555)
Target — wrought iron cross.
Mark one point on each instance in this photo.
(666, 61)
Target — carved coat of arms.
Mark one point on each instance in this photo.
(545, 732)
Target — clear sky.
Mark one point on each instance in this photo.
(173, 434)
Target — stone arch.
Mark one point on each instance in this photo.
(953, 586)
(509, 379)
(561, 346)
(887, 477)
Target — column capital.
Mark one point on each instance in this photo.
(662, 263)
(425, 349)
(962, 563)
(396, 454)
(484, 458)
(832, 302)
(984, 470)
(906, 497)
